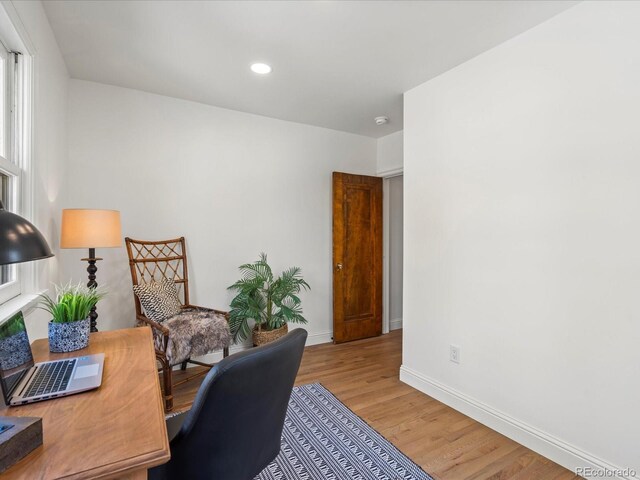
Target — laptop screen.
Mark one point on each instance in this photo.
(15, 354)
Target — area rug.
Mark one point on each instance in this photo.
(323, 439)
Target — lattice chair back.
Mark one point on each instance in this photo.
(153, 261)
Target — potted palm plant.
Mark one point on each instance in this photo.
(69, 326)
(271, 302)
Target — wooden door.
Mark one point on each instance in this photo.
(357, 257)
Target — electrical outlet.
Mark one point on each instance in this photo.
(454, 353)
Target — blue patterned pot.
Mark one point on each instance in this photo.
(69, 336)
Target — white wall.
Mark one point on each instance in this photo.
(232, 183)
(390, 153)
(395, 192)
(522, 236)
(49, 140)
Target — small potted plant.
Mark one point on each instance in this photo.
(69, 326)
(269, 301)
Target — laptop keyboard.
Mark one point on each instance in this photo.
(51, 378)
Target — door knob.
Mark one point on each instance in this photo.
(339, 266)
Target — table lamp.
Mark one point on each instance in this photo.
(20, 241)
(84, 228)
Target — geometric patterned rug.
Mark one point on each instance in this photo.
(323, 439)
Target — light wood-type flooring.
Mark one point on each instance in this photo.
(446, 443)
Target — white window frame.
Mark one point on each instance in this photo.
(18, 165)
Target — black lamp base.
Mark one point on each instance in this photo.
(91, 270)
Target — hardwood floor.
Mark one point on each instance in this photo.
(447, 444)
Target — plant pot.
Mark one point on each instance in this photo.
(69, 336)
(263, 337)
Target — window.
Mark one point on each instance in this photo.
(11, 176)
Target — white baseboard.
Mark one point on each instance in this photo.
(215, 357)
(547, 445)
(318, 338)
(395, 324)
(312, 339)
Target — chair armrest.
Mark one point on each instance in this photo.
(157, 328)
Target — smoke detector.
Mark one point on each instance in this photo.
(381, 120)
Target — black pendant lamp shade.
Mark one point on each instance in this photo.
(20, 241)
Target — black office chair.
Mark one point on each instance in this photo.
(234, 428)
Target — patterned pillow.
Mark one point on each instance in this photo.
(159, 299)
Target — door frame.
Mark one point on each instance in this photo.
(386, 236)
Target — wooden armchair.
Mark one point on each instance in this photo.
(153, 261)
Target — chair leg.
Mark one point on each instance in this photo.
(183, 365)
(168, 397)
(225, 352)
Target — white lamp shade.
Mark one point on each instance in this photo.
(84, 228)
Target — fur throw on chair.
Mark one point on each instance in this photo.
(194, 332)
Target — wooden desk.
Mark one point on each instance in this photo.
(116, 431)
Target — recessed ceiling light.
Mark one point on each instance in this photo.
(261, 68)
(381, 120)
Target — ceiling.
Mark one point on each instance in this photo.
(336, 64)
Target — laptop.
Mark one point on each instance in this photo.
(24, 381)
